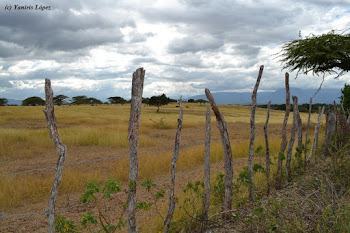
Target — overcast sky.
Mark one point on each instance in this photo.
(92, 47)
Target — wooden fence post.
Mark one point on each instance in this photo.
(221, 123)
(252, 135)
(133, 136)
(206, 199)
(267, 149)
(284, 135)
(292, 137)
(307, 131)
(61, 149)
(169, 217)
(330, 131)
(300, 131)
(315, 136)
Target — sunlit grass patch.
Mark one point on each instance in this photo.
(23, 143)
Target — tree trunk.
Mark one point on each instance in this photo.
(315, 135)
(169, 217)
(133, 135)
(330, 131)
(281, 155)
(267, 149)
(61, 149)
(292, 137)
(252, 135)
(221, 123)
(307, 131)
(206, 199)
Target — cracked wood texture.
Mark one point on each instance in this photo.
(206, 199)
(267, 149)
(169, 217)
(284, 134)
(330, 131)
(221, 123)
(292, 138)
(133, 136)
(61, 149)
(252, 135)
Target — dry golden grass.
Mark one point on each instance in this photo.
(24, 142)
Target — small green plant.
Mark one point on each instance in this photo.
(64, 225)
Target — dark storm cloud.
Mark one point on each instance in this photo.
(246, 50)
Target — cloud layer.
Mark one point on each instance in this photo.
(92, 47)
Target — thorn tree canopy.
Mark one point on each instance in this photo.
(328, 53)
(3, 101)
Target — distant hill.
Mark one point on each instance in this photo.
(277, 97)
(14, 102)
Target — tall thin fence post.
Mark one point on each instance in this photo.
(133, 135)
(206, 199)
(292, 137)
(169, 217)
(221, 123)
(315, 135)
(307, 132)
(252, 135)
(330, 131)
(61, 149)
(281, 155)
(268, 161)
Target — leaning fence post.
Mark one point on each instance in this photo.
(252, 135)
(171, 209)
(61, 149)
(330, 131)
(221, 123)
(284, 135)
(307, 131)
(206, 199)
(133, 135)
(267, 149)
(292, 137)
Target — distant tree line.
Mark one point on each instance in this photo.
(302, 108)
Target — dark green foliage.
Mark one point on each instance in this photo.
(82, 99)
(345, 98)
(159, 101)
(320, 54)
(148, 184)
(33, 101)
(59, 99)
(3, 101)
(88, 218)
(190, 101)
(117, 100)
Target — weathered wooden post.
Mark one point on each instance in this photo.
(307, 132)
(206, 199)
(133, 135)
(252, 135)
(292, 137)
(330, 131)
(169, 217)
(61, 149)
(315, 136)
(281, 155)
(300, 131)
(268, 161)
(221, 123)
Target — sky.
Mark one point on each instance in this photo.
(92, 47)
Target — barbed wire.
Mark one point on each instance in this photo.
(103, 159)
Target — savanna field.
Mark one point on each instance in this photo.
(96, 138)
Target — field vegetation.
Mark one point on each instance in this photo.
(96, 137)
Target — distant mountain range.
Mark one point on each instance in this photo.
(326, 96)
(14, 102)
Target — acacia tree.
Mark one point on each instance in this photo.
(200, 101)
(59, 99)
(328, 53)
(159, 101)
(33, 101)
(117, 100)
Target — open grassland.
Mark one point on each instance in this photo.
(93, 133)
